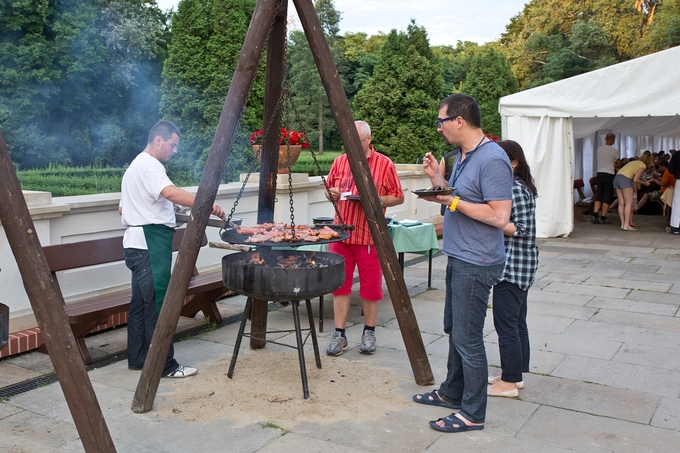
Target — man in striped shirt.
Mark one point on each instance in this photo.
(358, 249)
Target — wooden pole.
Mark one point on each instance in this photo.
(276, 48)
(367, 191)
(48, 308)
(244, 74)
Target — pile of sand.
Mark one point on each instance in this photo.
(266, 387)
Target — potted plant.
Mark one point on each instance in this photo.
(290, 141)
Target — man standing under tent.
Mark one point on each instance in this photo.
(606, 156)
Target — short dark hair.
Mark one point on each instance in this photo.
(465, 106)
(163, 128)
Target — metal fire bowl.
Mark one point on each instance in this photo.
(4, 325)
(278, 284)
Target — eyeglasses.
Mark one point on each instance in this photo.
(441, 121)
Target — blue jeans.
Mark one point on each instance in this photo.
(510, 320)
(467, 294)
(143, 314)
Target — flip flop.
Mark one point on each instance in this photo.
(453, 424)
(432, 398)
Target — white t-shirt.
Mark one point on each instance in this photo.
(606, 155)
(141, 199)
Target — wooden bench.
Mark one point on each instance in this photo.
(88, 314)
(583, 206)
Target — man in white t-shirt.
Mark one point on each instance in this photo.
(147, 210)
(606, 156)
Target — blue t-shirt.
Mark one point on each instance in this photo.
(487, 176)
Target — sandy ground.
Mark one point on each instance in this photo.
(261, 387)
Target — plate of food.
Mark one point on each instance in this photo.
(433, 191)
(280, 234)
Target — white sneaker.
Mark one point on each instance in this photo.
(182, 371)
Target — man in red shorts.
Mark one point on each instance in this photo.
(358, 249)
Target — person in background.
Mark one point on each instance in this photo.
(606, 157)
(358, 249)
(667, 180)
(478, 210)
(623, 183)
(147, 211)
(674, 169)
(510, 293)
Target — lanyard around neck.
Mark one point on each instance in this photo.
(458, 166)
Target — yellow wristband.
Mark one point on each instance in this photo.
(454, 203)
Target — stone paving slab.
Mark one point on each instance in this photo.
(545, 323)
(667, 415)
(621, 375)
(630, 284)
(589, 290)
(643, 320)
(655, 297)
(633, 306)
(623, 333)
(11, 373)
(558, 297)
(556, 266)
(593, 399)
(557, 309)
(299, 443)
(649, 356)
(583, 433)
(574, 345)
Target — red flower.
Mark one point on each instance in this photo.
(285, 137)
(492, 137)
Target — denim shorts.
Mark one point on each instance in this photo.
(622, 182)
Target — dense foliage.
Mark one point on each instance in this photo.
(206, 42)
(78, 78)
(489, 78)
(400, 101)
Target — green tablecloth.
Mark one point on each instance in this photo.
(413, 239)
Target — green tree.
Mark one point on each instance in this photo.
(664, 31)
(455, 64)
(306, 88)
(75, 76)
(359, 53)
(400, 100)
(488, 79)
(570, 37)
(206, 42)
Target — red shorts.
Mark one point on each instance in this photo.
(364, 257)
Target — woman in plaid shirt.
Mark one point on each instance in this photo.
(510, 293)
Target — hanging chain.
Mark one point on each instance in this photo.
(228, 223)
(318, 166)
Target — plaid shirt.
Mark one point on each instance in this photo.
(520, 248)
(386, 181)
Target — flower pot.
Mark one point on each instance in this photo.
(283, 156)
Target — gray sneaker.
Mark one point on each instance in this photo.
(338, 344)
(367, 342)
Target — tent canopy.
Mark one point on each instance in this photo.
(634, 99)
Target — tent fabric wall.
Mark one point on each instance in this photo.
(554, 205)
(638, 100)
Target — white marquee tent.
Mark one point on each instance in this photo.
(559, 126)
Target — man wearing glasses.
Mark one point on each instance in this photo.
(358, 249)
(478, 209)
